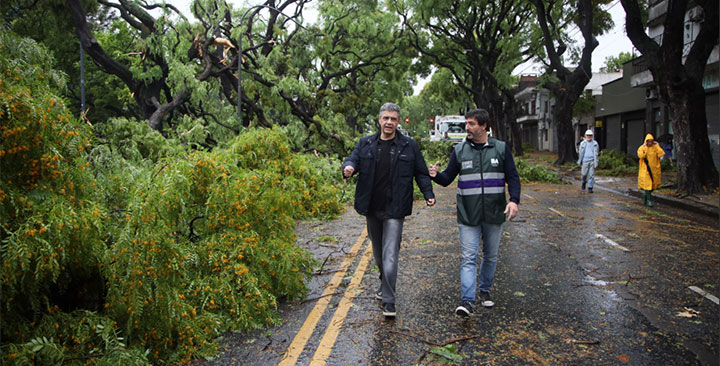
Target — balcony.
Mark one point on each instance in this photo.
(641, 75)
(657, 12)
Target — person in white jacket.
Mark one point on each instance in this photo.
(588, 159)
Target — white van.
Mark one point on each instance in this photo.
(448, 128)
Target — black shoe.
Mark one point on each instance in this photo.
(590, 190)
(389, 310)
(583, 187)
(465, 309)
(378, 295)
(485, 299)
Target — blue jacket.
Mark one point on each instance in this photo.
(406, 162)
(596, 149)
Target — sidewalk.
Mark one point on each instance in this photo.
(706, 204)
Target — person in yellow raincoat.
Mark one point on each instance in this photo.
(649, 154)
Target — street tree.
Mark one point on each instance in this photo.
(324, 80)
(678, 69)
(568, 83)
(47, 23)
(149, 62)
(479, 42)
(440, 96)
(362, 60)
(615, 63)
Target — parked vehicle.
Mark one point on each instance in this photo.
(448, 128)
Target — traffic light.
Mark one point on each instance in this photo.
(432, 120)
(407, 119)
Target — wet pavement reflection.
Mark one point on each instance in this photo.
(582, 279)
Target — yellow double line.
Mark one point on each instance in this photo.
(328, 340)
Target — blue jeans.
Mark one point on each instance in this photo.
(385, 236)
(588, 173)
(470, 237)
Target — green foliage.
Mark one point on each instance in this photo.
(585, 106)
(528, 147)
(537, 173)
(615, 163)
(667, 166)
(52, 222)
(447, 353)
(436, 151)
(134, 251)
(615, 63)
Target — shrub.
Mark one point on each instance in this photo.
(134, 251)
(667, 166)
(615, 163)
(53, 238)
(528, 147)
(434, 151)
(538, 173)
(208, 243)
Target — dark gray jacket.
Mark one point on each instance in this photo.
(406, 162)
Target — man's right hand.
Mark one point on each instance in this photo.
(434, 169)
(348, 171)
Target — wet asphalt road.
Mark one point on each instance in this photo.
(582, 279)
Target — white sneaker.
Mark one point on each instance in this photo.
(485, 299)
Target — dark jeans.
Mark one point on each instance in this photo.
(385, 235)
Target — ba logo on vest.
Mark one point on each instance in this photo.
(494, 162)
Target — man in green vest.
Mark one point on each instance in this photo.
(484, 165)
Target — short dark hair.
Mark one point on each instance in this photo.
(480, 115)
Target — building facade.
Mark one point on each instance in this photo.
(535, 115)
(630, 122)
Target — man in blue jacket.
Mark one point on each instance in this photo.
(386, 163)
(588, 159)
(485, 165)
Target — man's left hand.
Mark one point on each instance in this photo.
(511, 210)
(430, 202)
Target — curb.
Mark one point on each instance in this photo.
(704, 209)
(672, 201)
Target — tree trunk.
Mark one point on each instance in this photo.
(695, 169)
(511, 118)
(571, 83)
(497, 116)
(147, 96)
(562, 113)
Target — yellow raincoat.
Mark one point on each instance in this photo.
(652, 154)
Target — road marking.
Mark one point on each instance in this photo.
(528, 196)
(556, 211)
(705, 294)
(603, 237)
(333, 329)
(303, 335)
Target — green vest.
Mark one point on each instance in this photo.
(481, 184)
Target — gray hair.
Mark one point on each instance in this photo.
(389, 107)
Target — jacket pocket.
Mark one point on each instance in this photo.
(405, 165)
(366, 162)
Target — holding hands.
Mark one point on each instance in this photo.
(434, 169)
